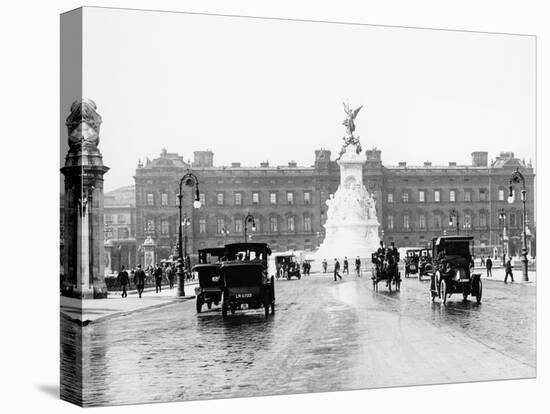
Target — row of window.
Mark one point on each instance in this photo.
(274, 225)
(121, 233)
(290, 197)
(437, 196)
(465, 221)
(120, 219)
(237, 198)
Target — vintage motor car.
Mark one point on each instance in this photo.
(425, 264)
(208, 270)
(245, 280)
(412, 258)
(385, 268)
(453, 274)
(287, 266)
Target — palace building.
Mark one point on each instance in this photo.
(288, 203)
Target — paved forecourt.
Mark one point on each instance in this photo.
(324, 336)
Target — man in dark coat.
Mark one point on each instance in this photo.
(337, 269)
(489, 266)
(508, 266)
(139, 279)
(123, 280)
(346, 266)
(157, 274)
(170, 272)
(358, 266)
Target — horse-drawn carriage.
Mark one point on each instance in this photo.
(385, 267)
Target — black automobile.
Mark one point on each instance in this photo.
(453, 273)
(412, 259)
(287, 266)
(245, 282)
(208, 270)
(425, 264)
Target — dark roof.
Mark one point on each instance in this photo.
(213, 251)
(252, 246)
(454, 238)
(243, 263)
(206, 265)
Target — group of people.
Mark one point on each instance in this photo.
(345, 270)
(508, 266)
(140, 277)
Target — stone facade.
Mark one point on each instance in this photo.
(120, 217)
(289, 202)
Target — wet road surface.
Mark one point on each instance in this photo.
(324, 336)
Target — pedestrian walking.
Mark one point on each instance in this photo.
(346, 265)
(337, 269)
(123, 280)
(508, 266)
(157, 274)
(483, 262)
(358, 266)
(325, 264)
(139, 279)
(489, 267)
(170, 272)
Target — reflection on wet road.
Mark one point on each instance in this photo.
(324, 336)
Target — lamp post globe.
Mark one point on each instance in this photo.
(517, 178)
(190, 180)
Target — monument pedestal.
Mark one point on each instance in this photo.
(352, 226)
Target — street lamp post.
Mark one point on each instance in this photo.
(502, 222)
(518, 178)
(225, 233)
(248, 219)
(454, 214)
(189, 180)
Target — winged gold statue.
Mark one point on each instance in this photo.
(349, 122)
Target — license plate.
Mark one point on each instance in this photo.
(243, 295)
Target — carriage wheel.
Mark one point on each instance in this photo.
(272, 307)
(199, 304)
(443, 291)
(479, 291)
(209, 304)
(266, 308)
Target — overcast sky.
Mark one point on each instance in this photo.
(256, 89)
